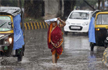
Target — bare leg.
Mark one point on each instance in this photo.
(53, 58)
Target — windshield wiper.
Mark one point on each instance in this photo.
(2, 24)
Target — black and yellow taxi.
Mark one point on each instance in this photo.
(7, 32)
(100, 24)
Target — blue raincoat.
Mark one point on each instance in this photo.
(18, 34)
(92, 31)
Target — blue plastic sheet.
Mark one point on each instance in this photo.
(92, 31)
(18, 34)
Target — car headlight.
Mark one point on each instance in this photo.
(106, 38)
(10, 40)
(85, 23)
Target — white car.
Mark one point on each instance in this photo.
(78, 21)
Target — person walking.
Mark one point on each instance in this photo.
(55, 38)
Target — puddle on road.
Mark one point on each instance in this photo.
(14, 65)
(76, 56)
(91, 61)
(25, 60)
(74, 43)
(12, 62)
(12, 68)
(59, 66)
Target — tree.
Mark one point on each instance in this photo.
(11, 2)
(33, 8)
(81, 3)
(68, 6)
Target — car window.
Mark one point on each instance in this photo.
(102, 19)
(79, 15)
(5, 23)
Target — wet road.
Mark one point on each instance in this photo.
(76, 54)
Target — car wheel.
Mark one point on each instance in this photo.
(87, 33)
(105, 47)
(8, 51)
(92, 46)
(66, 33)
(73, 33)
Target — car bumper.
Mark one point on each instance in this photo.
(75, 28)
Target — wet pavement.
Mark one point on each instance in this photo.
(76, 54)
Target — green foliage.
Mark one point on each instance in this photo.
(11, 2)
(8, 2)
(93, 2)
(33, 9)
(22, 2)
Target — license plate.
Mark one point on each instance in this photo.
(75, 27)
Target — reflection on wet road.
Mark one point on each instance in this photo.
(76, 54)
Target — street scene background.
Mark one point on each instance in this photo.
(76, 47)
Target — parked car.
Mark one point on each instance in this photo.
(78, 21)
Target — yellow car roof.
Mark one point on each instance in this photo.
(105, 12)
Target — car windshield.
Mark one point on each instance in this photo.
(102, 19)
(79, 15)
(5, 23)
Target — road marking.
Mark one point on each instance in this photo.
(35, 25)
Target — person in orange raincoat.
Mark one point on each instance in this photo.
(55, 38)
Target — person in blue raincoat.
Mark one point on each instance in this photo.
(92, 31)
(18, 34)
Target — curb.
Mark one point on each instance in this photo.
(35, 25)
